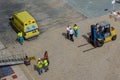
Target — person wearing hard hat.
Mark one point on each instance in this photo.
(40, 66)
(75, 28)
(20, 38)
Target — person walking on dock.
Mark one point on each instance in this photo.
(27, 61)
(40, 66)
(46, 56)
(71, 35)
(75, 28)
(45, 64)
(68, 32)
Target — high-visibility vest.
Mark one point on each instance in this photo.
(75, 28)
(20, 34)
(45, 62)
(39, 64)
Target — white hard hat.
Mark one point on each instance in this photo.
(39, 59)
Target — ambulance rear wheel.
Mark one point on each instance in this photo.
(114, 38)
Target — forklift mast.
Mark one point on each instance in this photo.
(94, 33)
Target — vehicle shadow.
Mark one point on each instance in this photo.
(12, 26)
(86, 37)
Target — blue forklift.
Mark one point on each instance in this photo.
(101, 33)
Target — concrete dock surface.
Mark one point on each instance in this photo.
(67, 60)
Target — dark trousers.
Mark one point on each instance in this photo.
(40, 70)
(71, 37)
(46, 68)
(27, 62)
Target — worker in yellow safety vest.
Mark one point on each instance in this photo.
(75, 28)
(40, 66)
(45, 62)
(20, 37)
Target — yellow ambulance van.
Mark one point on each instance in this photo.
(25, 23)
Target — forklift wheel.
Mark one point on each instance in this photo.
(100, 43)
(114, 38)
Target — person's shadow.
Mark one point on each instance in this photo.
(64, 34)
(35, 67)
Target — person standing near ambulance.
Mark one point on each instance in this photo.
(20, 38)
(75, 28)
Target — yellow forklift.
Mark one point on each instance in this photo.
(102, 32)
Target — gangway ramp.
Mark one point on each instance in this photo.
(7, 58)
(11, 60)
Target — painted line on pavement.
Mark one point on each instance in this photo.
(28, 71)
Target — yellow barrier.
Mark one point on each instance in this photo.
(32, 58)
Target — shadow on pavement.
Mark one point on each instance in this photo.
(86, 38)
(64, 34)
